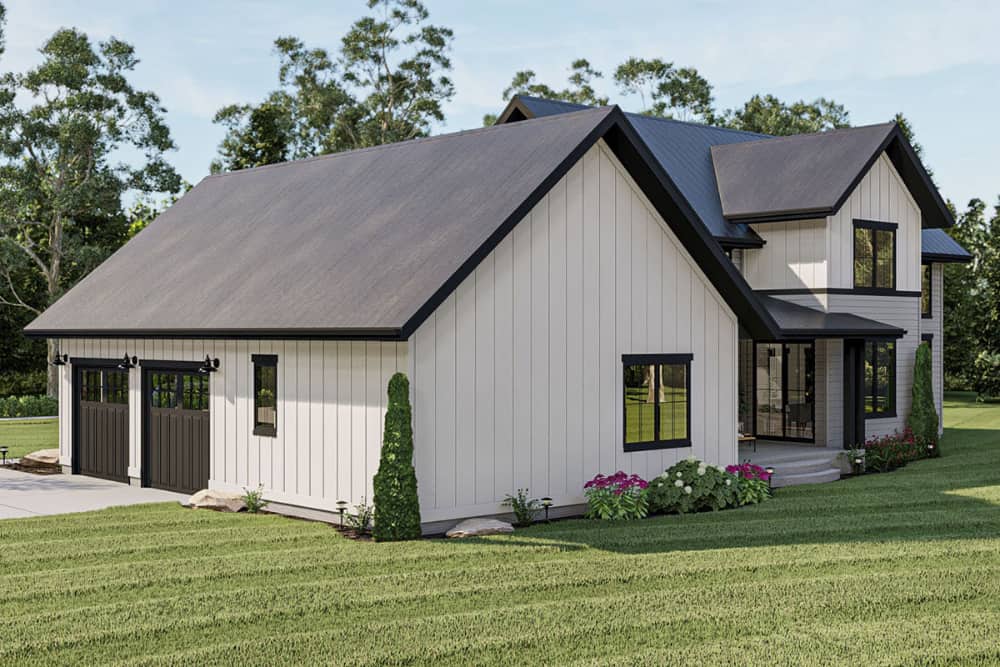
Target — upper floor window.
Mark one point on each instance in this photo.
(265, 394)
(880, 379)
(925, 290)
(874, 255)
(657, 401)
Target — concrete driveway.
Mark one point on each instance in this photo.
(24, 495)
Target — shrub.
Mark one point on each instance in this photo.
(691, 486)
(28, 406)
(525, 509)
(753, 483)
(618, 497)
(361, 521)
(986, 376)
(888, 452)
(24, 383)
(397, 509)
(923, 420)
(254, 500)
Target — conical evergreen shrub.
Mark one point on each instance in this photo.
(923, 419)
(397, 510)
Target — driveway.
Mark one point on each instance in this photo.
(24, 495)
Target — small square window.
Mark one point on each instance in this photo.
(657, 410)
(265, 394)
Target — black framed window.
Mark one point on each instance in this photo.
(265, 394)
(929, 339)
(657, 405)
(880, 379)
(116, 386)
(874, 255)
(163, 390)
(925, 291)
(90, 385)
(194, 391)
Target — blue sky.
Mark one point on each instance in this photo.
(939, 63)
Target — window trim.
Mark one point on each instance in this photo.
(657, 360)
(874, 225)
(929, 315)
(874, 384)
(270, 361)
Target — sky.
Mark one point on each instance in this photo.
(937, 62)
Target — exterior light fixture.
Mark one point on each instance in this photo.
(546, 503)
(210, 365)
(128, 362)
(770, 476)
(60, 359)
(857, 464)
(341, 507)
(3, 452)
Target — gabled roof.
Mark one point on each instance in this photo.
(682, 149)
(938, 246)
(800, 322)
(363, 244)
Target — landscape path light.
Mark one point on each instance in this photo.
(3, 452)
(341, 507)
(546, 503)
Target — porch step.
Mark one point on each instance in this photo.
(803, 466)
(813, 477)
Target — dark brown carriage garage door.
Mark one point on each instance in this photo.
(177, 427)
(100, 443)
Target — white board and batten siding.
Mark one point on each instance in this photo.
(331, 407)
(794, 256)
(517, 376)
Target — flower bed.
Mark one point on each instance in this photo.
(888, 452)
(617, 497)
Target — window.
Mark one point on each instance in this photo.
(929, 339)
(194, 392)
(925, 291)
(880, 379)
(163, 390)
(90, 385)
(656, 401)
(116, 383)
(265, 394)
(874, 255)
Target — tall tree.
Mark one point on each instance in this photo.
(769, 115)
(386, 83)
(664, 90)
(62, 126)
(579, 91)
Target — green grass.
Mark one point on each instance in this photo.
(29, 435)
(894, 569)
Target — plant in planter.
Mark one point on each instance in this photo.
(525, 509)
(617, 497)
(692, 486)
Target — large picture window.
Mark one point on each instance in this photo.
(925, 291)
(657, 401)
(265, 394)
(880, 379)
(874, 255)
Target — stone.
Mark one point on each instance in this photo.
(220, 501)
(477, 527)
(43, 458)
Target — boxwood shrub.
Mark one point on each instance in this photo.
(28, 406)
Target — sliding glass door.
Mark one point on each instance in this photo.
(784, 391)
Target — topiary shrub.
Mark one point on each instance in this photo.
(397, 509)
(923, 420)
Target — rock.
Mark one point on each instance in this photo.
(43, 458)
(477, 527)
(221, 501)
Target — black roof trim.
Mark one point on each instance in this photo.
(934, 258)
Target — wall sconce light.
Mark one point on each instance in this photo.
(3, 452)
(546, 503)
(210, 365)
(341, 507)
(60, 360)
(128, 362)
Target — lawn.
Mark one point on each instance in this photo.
(29, 435)
(894, 569)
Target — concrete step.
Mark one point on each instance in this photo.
(783, 478)
(802, 466)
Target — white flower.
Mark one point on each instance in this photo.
(687, 489)
(692, 459)
(660, 484)
(679, 475)
(701, 471)
(729, 482)
(678, 483)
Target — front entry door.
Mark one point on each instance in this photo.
(784, 391)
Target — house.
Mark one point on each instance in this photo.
(572, 291)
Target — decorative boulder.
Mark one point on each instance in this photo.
(220, 501)
(477, 527)
(43, 458)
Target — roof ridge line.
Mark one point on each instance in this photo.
(836, 130)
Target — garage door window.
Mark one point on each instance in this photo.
(265, 394)
(90, 386)
(164, 390)
(194, 392)
(117, 386)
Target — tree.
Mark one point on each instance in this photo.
(767, 114)
(664, 90)
(579, 91)
(923, 419)
(60, 209)
(386, 84)
(397, 508)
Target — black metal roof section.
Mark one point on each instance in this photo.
(812, 175)
(359, 245)
(801, 322)
(682, 149)
(938, 246)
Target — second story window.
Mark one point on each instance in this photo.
(874, 255)
(925, 291)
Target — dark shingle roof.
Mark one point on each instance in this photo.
(806, 175)
(683, 151)
(938, 246)
(801, 322)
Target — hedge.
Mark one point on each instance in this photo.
(28, 406)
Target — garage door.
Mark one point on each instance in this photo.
(100, 446)
(177, 427)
